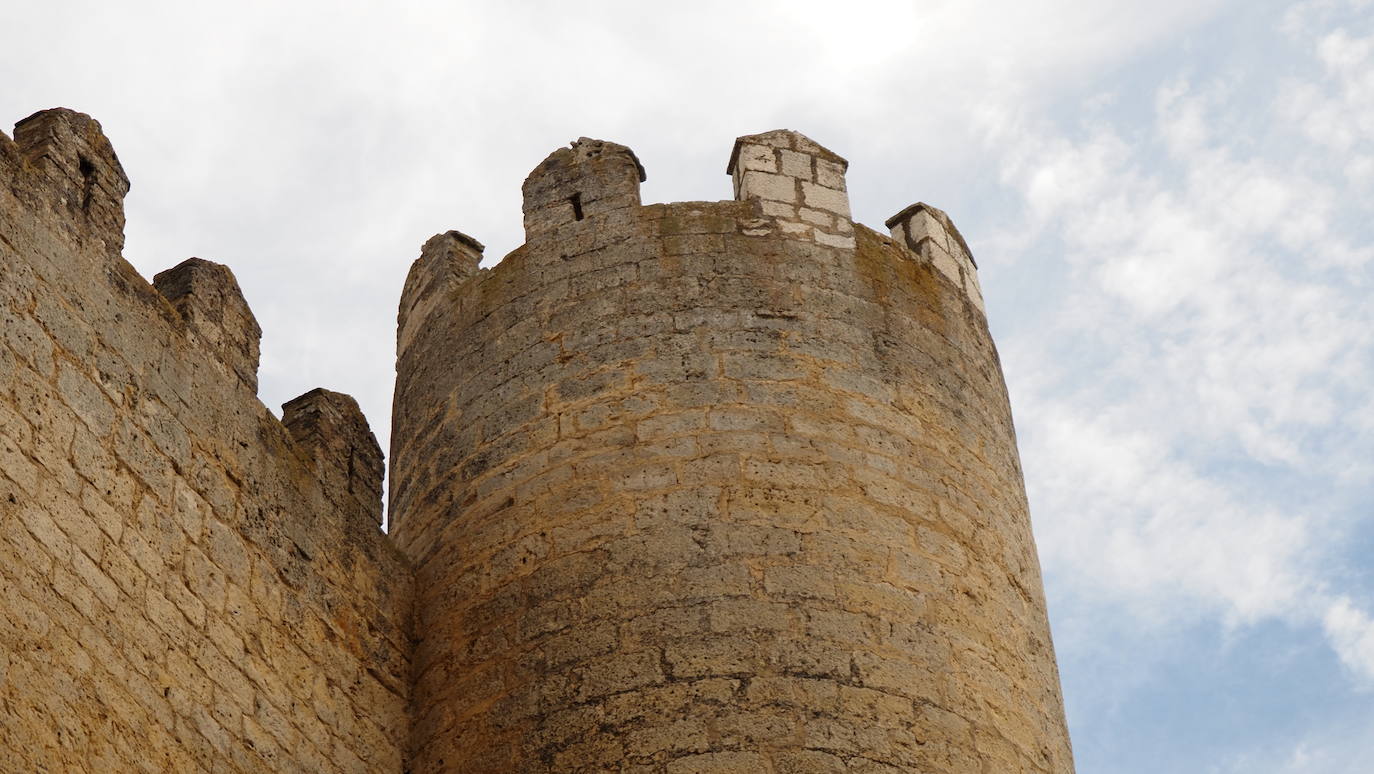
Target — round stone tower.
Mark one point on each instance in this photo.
(715, 487)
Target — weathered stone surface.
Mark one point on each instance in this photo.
(216, 315)
(797, 183)
(182, 585)
(589, 180)
(82, 182)
(696, 487)
(332, 431)
(929, 232)
(722, 487)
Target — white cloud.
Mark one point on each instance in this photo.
(1351, 632)
(1220, 291)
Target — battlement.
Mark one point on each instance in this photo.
(929, 233)
(207, 297)
(584, 197)
(590, 182)
(687, 487)
(445, 261)
(194, 585)
(65, 155)
(332, 431)
(798, 183)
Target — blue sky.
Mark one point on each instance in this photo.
(1171, 204)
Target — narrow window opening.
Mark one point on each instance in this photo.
(576, 201)
(87, 170)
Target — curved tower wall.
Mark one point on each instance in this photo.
(715, 486)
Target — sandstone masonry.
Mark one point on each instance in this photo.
(675, 488)
(186, 583)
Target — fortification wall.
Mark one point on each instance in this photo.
(715, 487)
(186, 583)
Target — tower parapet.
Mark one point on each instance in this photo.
(798, 183)
(928, 232)
(716, 486)
(590, 180)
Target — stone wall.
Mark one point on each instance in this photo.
(715, 487)
(696, 487)
(186, 583)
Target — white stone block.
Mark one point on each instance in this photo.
(794, 228)
(797, 165)
(779, 210)
(976, 296)
(822, 219)
(923, 224)
(776, 188)
(824, 198)
(759, 158)
(834, 240)
(971, 280)
(830, 174)
(946, 264)
(965, 265)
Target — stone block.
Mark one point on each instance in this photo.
(762, 185)
(759, 158)
(796, 165)
(830, 174)
(823, 198)
(835, 240)
(945, 263)
(785, 210)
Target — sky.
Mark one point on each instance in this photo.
(1171, 204)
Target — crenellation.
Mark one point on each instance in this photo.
(143, 495)
(929, 233)
(591, 180)
(217, 317)
(771, 373)
(334, 434)
(797, 183)
(687, 487)
(80, 175)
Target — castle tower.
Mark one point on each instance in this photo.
(715, 487)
